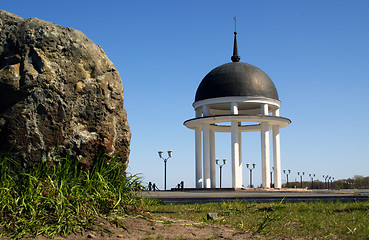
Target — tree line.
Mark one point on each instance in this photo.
(357, 182)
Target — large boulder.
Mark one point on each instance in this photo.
(59, 94)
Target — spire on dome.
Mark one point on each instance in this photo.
(235, 57)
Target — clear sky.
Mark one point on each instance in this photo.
(316, 52)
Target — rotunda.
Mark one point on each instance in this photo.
(236, 97)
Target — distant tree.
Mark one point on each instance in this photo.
(359, 180)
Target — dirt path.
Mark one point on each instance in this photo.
(162, 228)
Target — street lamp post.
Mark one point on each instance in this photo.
(165, 165)
(312, 179)
(287, 172)
(332, 182)
(325, 181)
(248, 165)
(220, 170)
(302, 174)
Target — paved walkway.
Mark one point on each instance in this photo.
(257, 195)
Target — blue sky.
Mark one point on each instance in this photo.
(316, 53)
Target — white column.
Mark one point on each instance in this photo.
(206, 156)
(235, 150)
(240, 156)
(205, 111)
(235, 154)
(198, 159)
(277, 154)
(265, 151)
(212, 159)
(277, 158)
(234, 108)
(198, 112)
(265, 155)
(264, 109)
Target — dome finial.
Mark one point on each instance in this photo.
(235, 57)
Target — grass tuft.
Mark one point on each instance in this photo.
(56, 199)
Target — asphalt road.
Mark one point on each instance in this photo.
(257, 195)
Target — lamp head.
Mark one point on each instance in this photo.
(217, 161)
(253, 165)
(284, 170)
(160, 153)
(224, 160)
(170, 153)
(289, 171)
(247, 165)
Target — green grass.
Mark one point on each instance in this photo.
(313, 220)
(56, 198)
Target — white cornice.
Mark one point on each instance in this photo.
(194, 123)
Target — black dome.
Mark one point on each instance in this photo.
(236, 79)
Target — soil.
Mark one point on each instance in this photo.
(154, 227)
